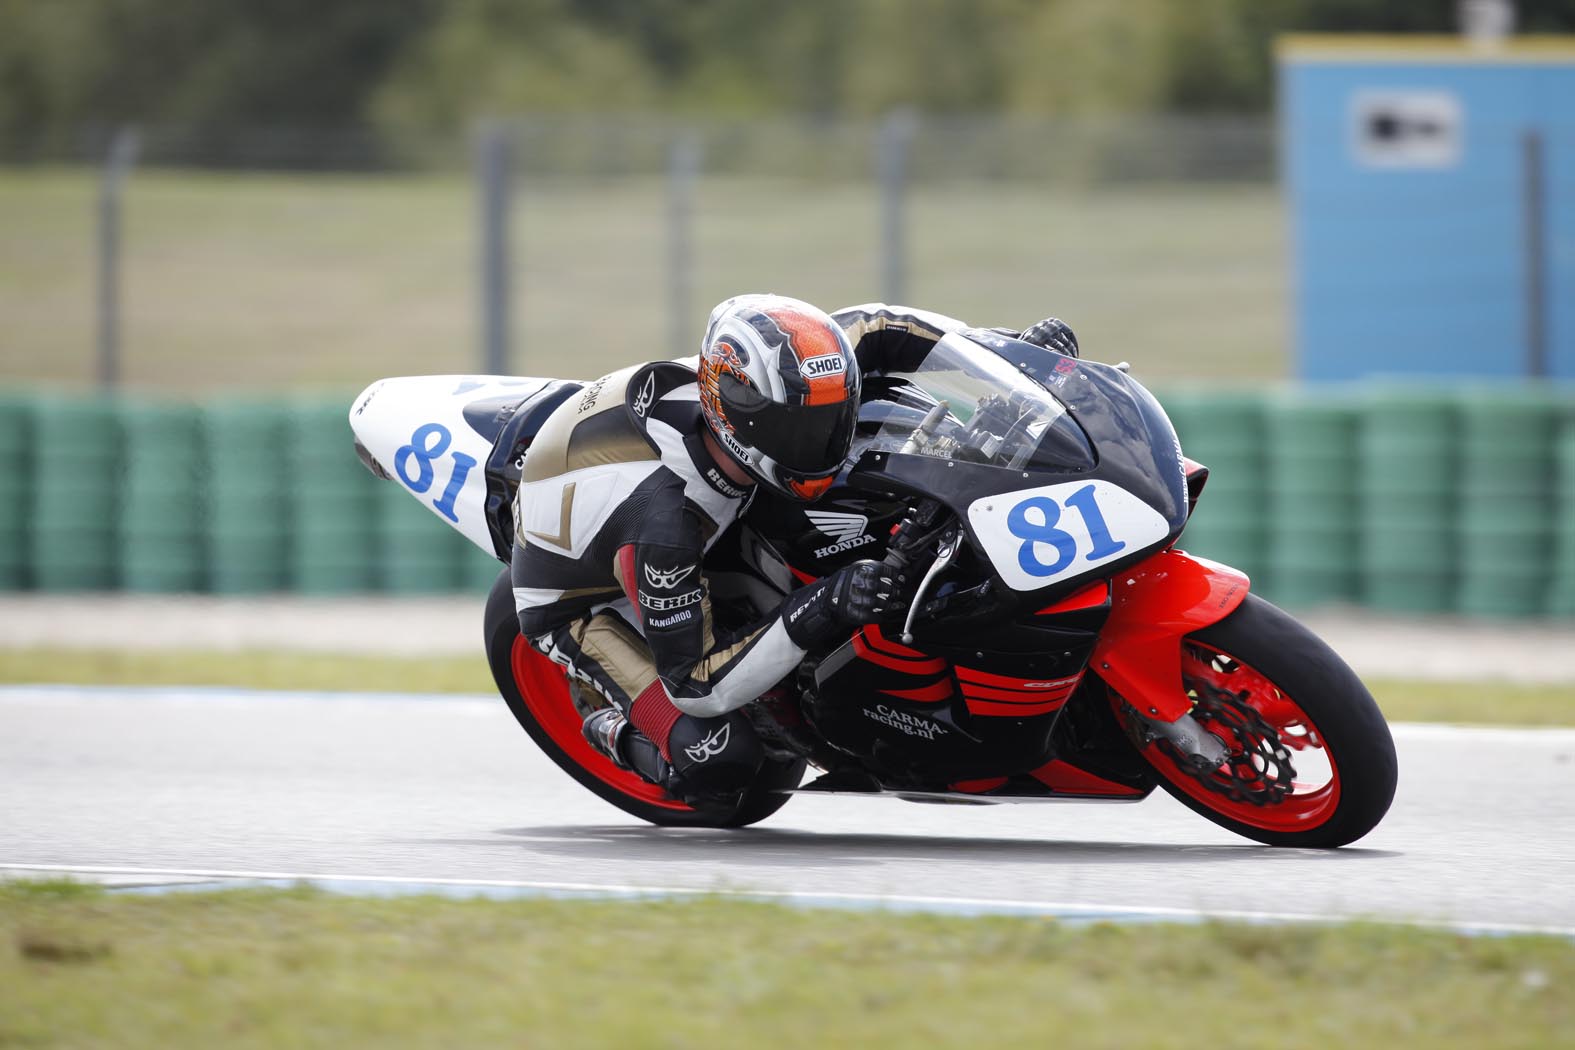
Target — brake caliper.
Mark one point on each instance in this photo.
(1258, 770)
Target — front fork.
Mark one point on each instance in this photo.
(1154, 605)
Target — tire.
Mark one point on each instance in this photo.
(1321, 711)
(537, 692)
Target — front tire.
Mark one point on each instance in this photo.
(537, 692)
(1324, 723)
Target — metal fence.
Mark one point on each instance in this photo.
(568, 246)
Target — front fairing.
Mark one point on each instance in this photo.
(1091, 483)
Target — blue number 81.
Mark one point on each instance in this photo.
(1032, 533)
(1102, 544)
(428, 442)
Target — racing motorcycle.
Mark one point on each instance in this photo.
(1059, 647)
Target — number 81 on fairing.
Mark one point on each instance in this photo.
(1036, 537)
(413, 464)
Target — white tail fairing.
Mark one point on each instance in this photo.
(416, 429)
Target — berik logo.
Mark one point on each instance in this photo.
(722, 485)
(824, 365)
(656, 604)
(647, 395)
(667, 579)
(710, 746)
(846, 529)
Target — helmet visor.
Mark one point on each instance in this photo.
(805, 439)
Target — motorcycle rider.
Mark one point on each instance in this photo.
(632, 480)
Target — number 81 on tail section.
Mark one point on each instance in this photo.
(1046, 535)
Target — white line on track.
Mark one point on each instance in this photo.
(375, 885)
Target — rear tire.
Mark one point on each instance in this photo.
(537, 692)
(1318, 705)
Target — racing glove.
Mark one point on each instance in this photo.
(1053, 334)
(866, 591)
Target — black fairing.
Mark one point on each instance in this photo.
(912, 720)
(914, 716)
(1132, 442)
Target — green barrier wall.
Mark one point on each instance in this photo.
(1396, 499)
(16, 488)
(227, 497)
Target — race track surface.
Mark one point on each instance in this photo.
(424, 790)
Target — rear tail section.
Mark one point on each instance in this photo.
(456, 443)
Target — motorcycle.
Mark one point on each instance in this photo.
(1059, 648)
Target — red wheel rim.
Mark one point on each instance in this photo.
(1314, 796)
(546, 693)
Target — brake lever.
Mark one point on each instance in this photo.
(944, 554)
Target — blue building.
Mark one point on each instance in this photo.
(1431, 188)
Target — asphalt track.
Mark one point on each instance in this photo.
(179, 787)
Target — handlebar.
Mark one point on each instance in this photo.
(917, 531)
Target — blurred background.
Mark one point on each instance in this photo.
(1345, 260)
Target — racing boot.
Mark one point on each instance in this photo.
(604, 729)
(609, 733)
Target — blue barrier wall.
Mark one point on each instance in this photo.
(1405, 167)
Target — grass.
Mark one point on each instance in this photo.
(297, 968)
(235, 280)
(1476, 703)
(1480, 703)
(250, 670)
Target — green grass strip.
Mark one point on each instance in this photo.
(272, 669)
(1478, 703)
(256, 968)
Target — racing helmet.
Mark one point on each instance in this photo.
(779, 389)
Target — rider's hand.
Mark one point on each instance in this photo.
(864, 592)
(1053, 334)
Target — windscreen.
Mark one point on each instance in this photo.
(966, 404)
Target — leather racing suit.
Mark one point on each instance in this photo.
(618, 503)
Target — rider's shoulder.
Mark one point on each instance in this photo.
(652, 381)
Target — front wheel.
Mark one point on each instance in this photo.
(537, 692)
(1312, 761)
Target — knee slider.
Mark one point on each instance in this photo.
(715, 756)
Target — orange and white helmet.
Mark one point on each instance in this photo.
(779, 388)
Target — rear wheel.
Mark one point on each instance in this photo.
(538, 693)
(1312, 761)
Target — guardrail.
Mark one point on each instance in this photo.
(1402, 500)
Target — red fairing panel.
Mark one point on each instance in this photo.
(1065, 778)
(1154, 604)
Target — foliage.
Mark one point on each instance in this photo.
(70, 66)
